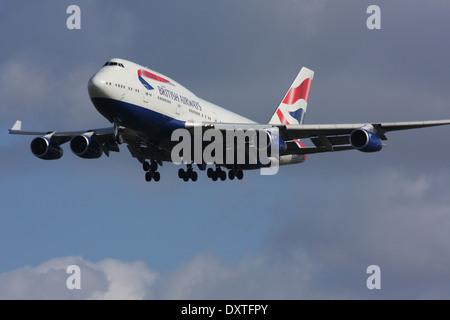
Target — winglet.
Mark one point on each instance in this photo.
(17, 126)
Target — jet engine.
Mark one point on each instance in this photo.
(85, 147)
(365, 140)
(44, 148)
(267, 139)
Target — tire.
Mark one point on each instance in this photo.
(154, 166)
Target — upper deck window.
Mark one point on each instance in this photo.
(111, 63)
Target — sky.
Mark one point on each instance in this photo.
(308, 232)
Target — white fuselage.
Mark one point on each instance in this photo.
(120, 85)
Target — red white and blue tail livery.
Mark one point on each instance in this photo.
(293, 106)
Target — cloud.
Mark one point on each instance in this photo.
(40, 93)
(18, 76)
(389, 218)
(126, 280)
(303, 17)
(204, 277)
(106, 279)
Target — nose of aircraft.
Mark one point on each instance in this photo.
(95, 86)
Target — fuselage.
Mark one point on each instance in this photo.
(146, 101)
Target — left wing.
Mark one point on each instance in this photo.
(365, 137)
(338, 137)
(299, 131)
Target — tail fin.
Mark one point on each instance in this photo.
(293, 107)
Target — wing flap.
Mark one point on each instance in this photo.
(324, 141)
(292, 148)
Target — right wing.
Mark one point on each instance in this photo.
(93, 143)
(104, 136)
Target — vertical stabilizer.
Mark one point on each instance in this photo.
(293, 107)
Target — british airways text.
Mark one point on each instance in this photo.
(179, 98)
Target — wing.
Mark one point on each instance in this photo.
(325, 137)
(336, 137)
(104, 137)
(92, 143)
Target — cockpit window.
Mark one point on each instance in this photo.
(111, 63)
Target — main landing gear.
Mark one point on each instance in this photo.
(214, 174)
(222, 175)
(188, 174)
(151, 170)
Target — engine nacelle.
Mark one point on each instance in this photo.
(44, 148)
(365, 140)
(292, 158)
(267, 139)
(85, 147)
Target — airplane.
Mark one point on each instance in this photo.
(146, 108)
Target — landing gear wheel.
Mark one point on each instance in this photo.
(156, 176)
(148, 176)
(154, 166)
(146, 166)
(187, 174)
(223, 175)
(231, 174)
(239, 174)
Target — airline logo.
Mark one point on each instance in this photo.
(293, 102)
(300, 92)
(143, 73)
